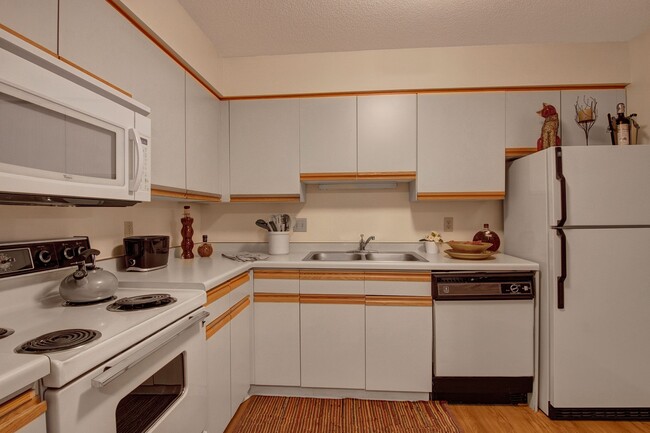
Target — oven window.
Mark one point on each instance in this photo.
(148, 402)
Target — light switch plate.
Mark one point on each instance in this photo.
(301, 225)
(448, 224)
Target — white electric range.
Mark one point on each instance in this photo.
(111, 371)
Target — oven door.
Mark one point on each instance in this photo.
(156, 386)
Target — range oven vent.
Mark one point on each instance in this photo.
(600, 414)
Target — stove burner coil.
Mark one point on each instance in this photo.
(144, 302)
(59, 340)
(5, 332)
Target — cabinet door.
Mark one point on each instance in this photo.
(264, 147)
(93, 35)
(387, 133)
(461, 145)
(399, 338)
(328, 135)
(572, 134)
(240, 353)
(34, 19)
(219, 408)
(201, 138)
(523, 124)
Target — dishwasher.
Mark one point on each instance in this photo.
(483, 328)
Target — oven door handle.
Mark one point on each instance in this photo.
(151, 345)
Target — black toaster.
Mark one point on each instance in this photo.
(146, 253)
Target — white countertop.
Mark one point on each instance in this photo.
(20, 371)
(212, 271)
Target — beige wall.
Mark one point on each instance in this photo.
(638, 93)
(104, 226)
(340, 216)
(424, 68)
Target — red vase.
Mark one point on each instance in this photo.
(487, 235)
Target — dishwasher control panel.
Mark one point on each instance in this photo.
(482, 285)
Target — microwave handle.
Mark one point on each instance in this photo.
(134, 183)
(147, 348)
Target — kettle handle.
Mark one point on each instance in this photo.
(90, 252)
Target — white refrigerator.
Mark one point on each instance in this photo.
(583, 213)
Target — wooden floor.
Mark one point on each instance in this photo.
(509, 419)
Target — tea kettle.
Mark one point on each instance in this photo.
(88, 283)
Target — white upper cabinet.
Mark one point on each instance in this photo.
(461, 145)
(34, 19)
(264, 148)
(523, 124)
(201, 138)
(328, 135)
(572, 134)
(387, 133)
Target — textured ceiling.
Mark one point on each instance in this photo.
(270, 27)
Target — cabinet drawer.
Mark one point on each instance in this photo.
(332, 282)
(239, 288)
(276, 281)
(398, 283)
(23, 413)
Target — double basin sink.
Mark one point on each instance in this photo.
(339, 256)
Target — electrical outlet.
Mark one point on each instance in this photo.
(301, 225)
(128, 228)
(448, 224)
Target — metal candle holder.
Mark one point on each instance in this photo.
(586, 115)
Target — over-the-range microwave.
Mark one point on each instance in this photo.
(65, 137)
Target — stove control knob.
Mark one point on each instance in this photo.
(131, 262)
(514, 288)
(68, 253)
(44, 256)
(80, 250)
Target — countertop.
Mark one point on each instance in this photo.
(20, 371)
(212, 271)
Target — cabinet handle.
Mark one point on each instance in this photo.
(137, 140)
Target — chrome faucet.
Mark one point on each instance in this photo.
(363, 244)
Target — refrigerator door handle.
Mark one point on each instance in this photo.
(560, 176)
(562, 276)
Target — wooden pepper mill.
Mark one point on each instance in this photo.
(186, 232)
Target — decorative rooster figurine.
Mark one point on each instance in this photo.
(551, 124)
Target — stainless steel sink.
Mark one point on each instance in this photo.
(337, 256)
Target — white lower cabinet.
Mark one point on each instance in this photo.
(240, 357)
(219, 410)
(398, 345)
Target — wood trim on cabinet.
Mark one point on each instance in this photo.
(325, 177)
(218, 292)
(246, 198)
(239, 307)
(483, 195)
(29, 41)
(332, 275)
(276, 274)
(239, 280)
(158, 192)
(411, 277)
(399, 301)
(214, 198)
(217, 324)
(19, 412)
(96, 77)
(185, 195)
(387, 175)
(518, 152)
(277, 297)
(333, 299)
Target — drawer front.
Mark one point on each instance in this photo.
(276, 281)
(332, 282)
(398, 283)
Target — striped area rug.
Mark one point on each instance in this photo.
(264, 414)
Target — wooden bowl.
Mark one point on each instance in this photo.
(469, 246)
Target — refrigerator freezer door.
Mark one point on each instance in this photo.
(605, 185)
(599, 347)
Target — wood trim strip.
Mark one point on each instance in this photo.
(605, 86)
(244, 198)
(150, 34)
(96, 77)
(19, 412)
(185, 195)
(218, 323)
(277, 297)
(239, 307)
(487, 195)
(332, 275)
(399, 301)
(388, 175)
(167, 193)
(276, 274)
(29, 41)
(516, 152)
(217, 293)
(411, 277)
(323, 177)
(238, 280)
(333, 299)
(216, 198)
